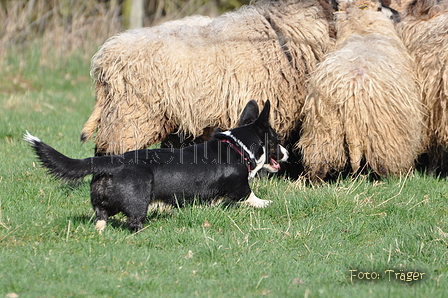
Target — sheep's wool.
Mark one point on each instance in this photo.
(363, 106)
(424, 30)
(199, 72)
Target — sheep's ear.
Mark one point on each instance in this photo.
(249, 114)
(263, 119)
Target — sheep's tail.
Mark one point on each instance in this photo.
(92, 123)
(59, 165)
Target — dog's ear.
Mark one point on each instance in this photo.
(263, 119)
(249, 114)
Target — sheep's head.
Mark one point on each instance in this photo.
(373, 5)
(370, 5)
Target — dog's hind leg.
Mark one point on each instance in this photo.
(135, 222)
(137, 191)
(137, 210)
(137, 207)
(101, 219)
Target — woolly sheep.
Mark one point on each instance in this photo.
(363, 106)
(175, 77)
(398, 5)
(424, 30)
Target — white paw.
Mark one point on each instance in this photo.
(100, 226)
(255, 202)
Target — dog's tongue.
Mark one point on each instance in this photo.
(275, 164)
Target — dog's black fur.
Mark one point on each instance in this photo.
(130, 182)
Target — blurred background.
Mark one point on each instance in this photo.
(60, 28)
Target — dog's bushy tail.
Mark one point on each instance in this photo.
(59, 165)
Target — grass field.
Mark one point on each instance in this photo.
(314, 241)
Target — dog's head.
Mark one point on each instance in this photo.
(257, 140)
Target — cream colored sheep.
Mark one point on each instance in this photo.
(363, 106)
(152, 81)
(398, 5)
(424, 30)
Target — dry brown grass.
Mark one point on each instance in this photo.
(61, 27)
(57, 27)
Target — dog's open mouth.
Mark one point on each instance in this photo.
(275, 166)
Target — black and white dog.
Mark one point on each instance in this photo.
(133, 181)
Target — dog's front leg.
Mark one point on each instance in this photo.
(256, 202)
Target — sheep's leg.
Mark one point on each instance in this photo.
(354, 125)
(322, 140)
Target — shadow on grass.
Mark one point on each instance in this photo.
(119, 222)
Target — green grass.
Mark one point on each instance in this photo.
(304, 245)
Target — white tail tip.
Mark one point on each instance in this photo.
(27, 137)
